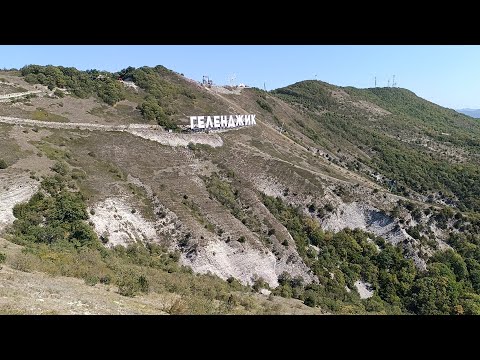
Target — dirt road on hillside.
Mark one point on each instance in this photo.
(150, 132)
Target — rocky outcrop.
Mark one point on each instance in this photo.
(14, 189)
(365, 217)
(244, 263)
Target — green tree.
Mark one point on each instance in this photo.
(59, 93)
(437, 293)
(454, 261)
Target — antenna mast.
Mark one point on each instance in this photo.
(375, 81)
(232, 80)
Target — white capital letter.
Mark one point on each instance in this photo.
(192, 122)
(201, 123)
(253, 120)
(231, 123)
(239, 120)
(223, 121)
(209, 123)
(216, 121)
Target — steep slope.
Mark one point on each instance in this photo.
(415, 147)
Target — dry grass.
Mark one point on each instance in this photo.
(43, 115)
(45, 283)
(9, 149)
(6, 88)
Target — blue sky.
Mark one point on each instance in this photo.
(446, 75)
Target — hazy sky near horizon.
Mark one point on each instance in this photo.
(446, 75)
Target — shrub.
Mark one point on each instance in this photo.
(3, 164)
(132, 283)
(3, 257)
(329, 207)
(23, 262)
(106, 279)
(178, 307)
(310, 300)
(264, 105)
(59, 93)
(284, 278)
(60, 168)
(260, 283)
(91, 280)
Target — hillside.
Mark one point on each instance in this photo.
(348, 200)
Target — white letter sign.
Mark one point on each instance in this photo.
(221, 121)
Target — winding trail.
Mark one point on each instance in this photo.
(149, 132)
(19, 94)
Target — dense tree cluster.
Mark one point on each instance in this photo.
(151, 110)
(54, 214)
(162, 92)
(450, 285)
(156, 103)
(81, 83)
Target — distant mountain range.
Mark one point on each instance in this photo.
(470, 112)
